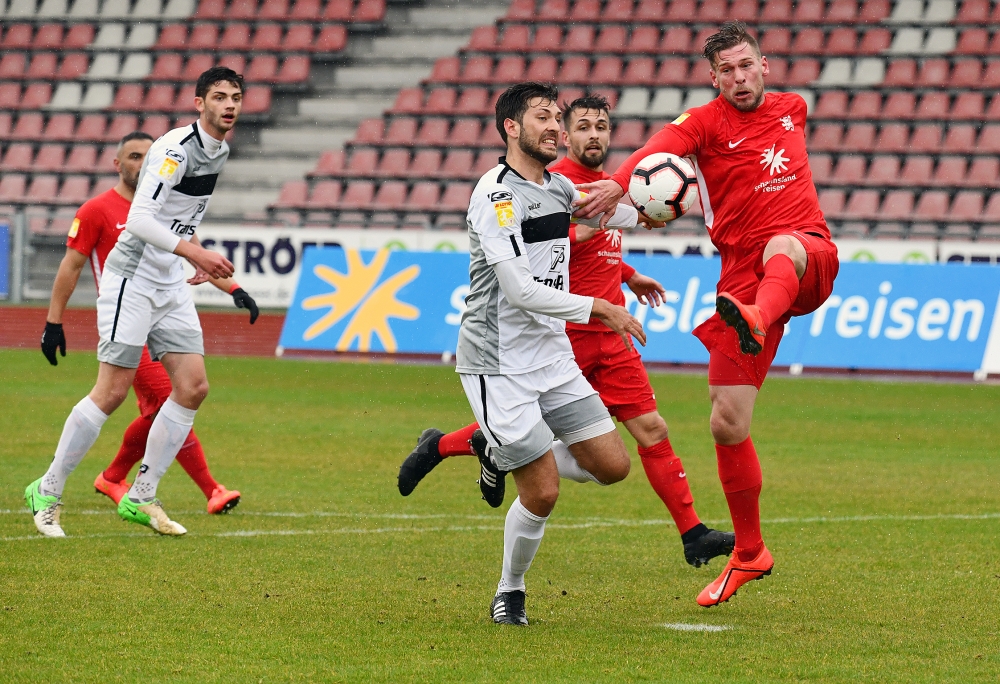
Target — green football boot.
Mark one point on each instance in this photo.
(44, 509)
(151, 515)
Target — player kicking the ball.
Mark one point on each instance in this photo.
(515, 361)
(763, 215)
(144, 300)
(596, 269)
(94, 232)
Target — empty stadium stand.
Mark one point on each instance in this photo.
(360, 113)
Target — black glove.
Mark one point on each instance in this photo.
(242, 301)
(52, 339)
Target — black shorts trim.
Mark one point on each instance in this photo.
(118, 310)
(482, 391)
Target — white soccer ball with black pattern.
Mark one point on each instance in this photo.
(663, 186)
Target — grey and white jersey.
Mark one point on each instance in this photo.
(509, 217)
(175, 185)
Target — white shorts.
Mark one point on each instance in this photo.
(132, 314)
(520, 413)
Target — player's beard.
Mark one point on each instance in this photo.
(751, 106)
(535, 151)
(593, 160)
(131, 180)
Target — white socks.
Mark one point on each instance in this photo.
(522, 533)
(79, 434)
(166, 437)
(569, 468)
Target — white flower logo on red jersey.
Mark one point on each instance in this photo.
(775, 159)
(614, 237)
(786, 121)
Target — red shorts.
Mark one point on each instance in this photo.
(614, 371)
(151, 384)
(727, 365)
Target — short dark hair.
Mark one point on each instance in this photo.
(134, 135)
(215, 75)
(586, 103)
(513, 102)
(731, 34)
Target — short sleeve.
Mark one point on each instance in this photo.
(495, 215)
(85, 231)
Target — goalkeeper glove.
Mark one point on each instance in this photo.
(52, 339)
(242, 300)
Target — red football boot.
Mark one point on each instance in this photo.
(736, 574)
(746, 319)
(113, 490)
(222, 500)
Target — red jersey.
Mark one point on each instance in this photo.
(596, 268)
(754, 180)
(96, 228)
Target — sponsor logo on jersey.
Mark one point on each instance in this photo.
(733, 145)
(504, 212)
(167, 169)
(119, 226)
(681, 119)
(175, 155)
(536, 205)
(786, 121)
(75, 228)
(501, 196)
(774, 160)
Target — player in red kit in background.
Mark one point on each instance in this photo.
(762, 213)
(596, 269)
(93, 234)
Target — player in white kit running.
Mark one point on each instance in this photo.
(144, 300)
(516, 363)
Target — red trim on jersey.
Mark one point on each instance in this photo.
(596, 268)
(97, 225)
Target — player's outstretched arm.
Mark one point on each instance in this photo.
(62, 289)
(620, 320)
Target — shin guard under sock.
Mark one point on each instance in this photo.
(668, 479)
(778, 288)
(739, 471)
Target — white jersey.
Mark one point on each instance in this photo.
(510, 216)
(175, 185)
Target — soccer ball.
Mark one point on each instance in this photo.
(663, 186)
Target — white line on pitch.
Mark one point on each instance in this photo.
(684, 627)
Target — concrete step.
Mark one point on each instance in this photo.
(306, 140)
(414, 49)
(259, 171)
(339, 108)
(381, 77)
(457, 18)
(227, 202)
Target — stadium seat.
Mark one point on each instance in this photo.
(338, 10)
(509, 69)
(933, 106)
(681, 12)
(464, 133)
(91, 128)
(483, 39)
(19, 157)
(60, 127)
(331, 39)
(808, 41)
(424, 196)
(932, 206)
(156, 125)
(474, 101)
(917, 170)
(211, 9)
(439, 101)
(950, 171)
(607, 70)
(371, 132)
(13, 65)
(263, 69)
(641, 71)
(6, 124)
(862, 204)
(36, 96)
(160, 98)
(808, 11)
(900, 105)
(643, 40)
(402, 131)
(842, 42)
(167, 67)
(392, 164)
(611, 39)
(897, 205)
(649, 11)
(579, 39)
(521, 9)
(832, 105)
(967, 73)
(984, 172)
(516, 38)
(73, 66)
(803, 72)
(934, 73)
(425, 164)
(17, 37)
(48, 37)
(236, 37)
(106, 160)
(10, 96)
(43, 67)
(12, 187)
(826, 137)
(267, 37)
(884, 170)
(433, 132)
(574, 70)
(548, 39)
(82, 159)
(75, 190)
(618, 10)
(860, 137)
(44, 189)
(243, 9)
(865, 105)
(306, 10)
(961, 138)
(203, 37)
(330, 163)
(293, 194)
(369, 11)
(195, 66)
(926, 138)
(893, 138)
(457, 164)
(363, 162)
(553, 10)
(901, 73)
(542, 68)
(358, 195)
(28, 127)
(874, 42)
(713, 11)
(456, 197)
(850, 170)
(120, 126)
(298, 38)
(831, 202)
(172, 37)
(629, 134)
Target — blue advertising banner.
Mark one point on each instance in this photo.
(4, 260)
(934, 317)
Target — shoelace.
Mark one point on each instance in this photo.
(49, 514)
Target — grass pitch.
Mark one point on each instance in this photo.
(880, 501)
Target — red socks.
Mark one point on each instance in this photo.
(132, 450)
(739, 471)
(191, 458)
(778, 289)
(669, 481)
(457, 443)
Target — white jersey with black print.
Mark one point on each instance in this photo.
(508, 217)
(175, 185)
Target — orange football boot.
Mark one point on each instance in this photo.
(222, 500)
(736, 574)
(113, 490)
(746, 319)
